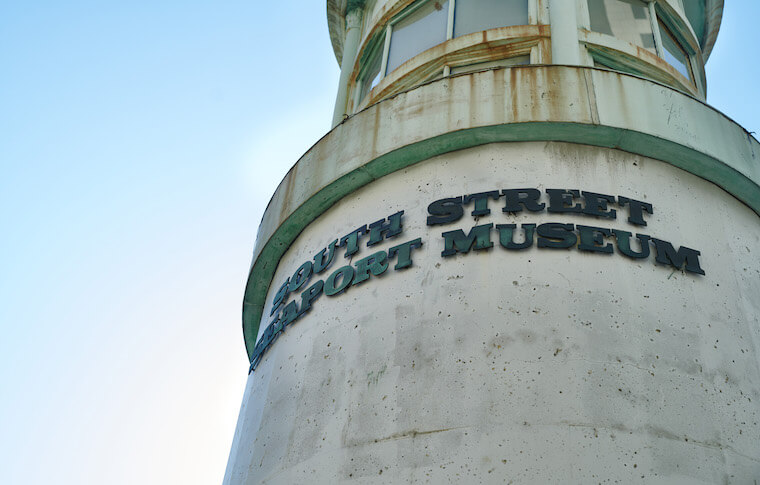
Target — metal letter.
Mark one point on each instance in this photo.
(506, 234)
(289, 314)
(481, 201)
(666, 254)
(528, 198)
(592, 239)
(444, 211)
(308, 296)
(301, 276)
(351, 241)
(554, 230)
(376, 263)
(624, 244)
(404, 252)
(280, 296)
(379, 228)
(345, 273)
(457, 242)
(320, 264)
(560, 198)
(636, 210)
(596, 205)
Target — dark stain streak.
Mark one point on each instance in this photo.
(664, 434)
(413, 433)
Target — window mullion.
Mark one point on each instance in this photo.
(695, 74)
(449, 33)
(386, 50)
(656, 30)
(533, 12)
(358, 92)
(450, 24)
(689, 64)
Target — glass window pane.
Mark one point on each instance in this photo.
(438, 75)
(602, 65)
(512, 61)
(673, 53)
(627, 20)
(476, 15)
(417, 32)
(371, 76)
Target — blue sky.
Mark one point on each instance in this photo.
(139, 145)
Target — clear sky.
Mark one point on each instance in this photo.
(139, 145)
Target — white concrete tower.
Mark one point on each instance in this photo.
(528, 252)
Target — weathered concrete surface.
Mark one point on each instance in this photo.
(581, 105)
(536, 366)
(534, 39)
(499, 43)
(708, 12)
(522, 94)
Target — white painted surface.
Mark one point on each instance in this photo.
(350, 46)
(539, 366)
(565, 48)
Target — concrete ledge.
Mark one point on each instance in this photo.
(526, 103)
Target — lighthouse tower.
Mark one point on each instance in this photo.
(527, 252)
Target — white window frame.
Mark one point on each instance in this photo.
(359, 85)
(388, 32)
(656, 16)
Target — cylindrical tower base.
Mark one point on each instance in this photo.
(534, 365)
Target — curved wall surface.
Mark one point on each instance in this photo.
(541, 339)
(527, 364)
(561, 103)
(659, 40)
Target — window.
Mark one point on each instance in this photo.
(627, 20)
(371, 75)
(642, 24)
(673, 53)
(476, 15)
(428, 23)
(512, 61)
(418, 31)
